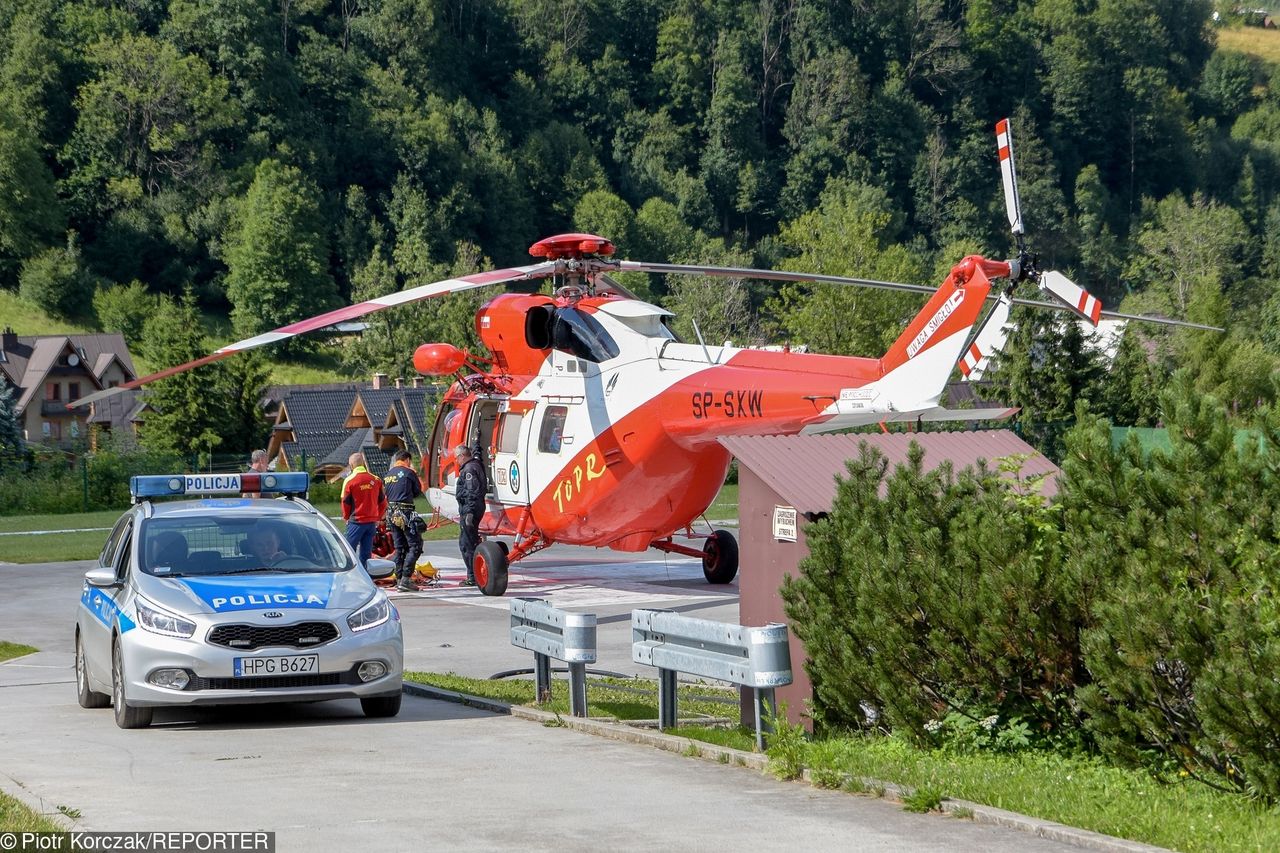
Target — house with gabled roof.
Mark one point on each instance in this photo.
(316, 429)
(50, 371)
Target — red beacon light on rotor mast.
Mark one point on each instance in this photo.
(438, 359)
(573, 246)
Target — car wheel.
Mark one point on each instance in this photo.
(88, 698)
(127, 716)
(720, 557)
(490, 565)
(381, 706)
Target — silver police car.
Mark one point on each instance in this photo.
(232, 600)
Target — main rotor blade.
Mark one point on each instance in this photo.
(1009, 175)
(350, 312)
(772, 275)
(786, 275)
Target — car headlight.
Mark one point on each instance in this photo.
(377, 611)
(159, 621)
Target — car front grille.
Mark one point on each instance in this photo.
(269, 682)
(304, 635)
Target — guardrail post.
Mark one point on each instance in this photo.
(766, 709)
(551, 633)
(542, 677)
(578, 689)
(667, 715)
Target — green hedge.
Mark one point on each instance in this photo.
(1135, 616)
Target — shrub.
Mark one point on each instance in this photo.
(57, 282)
(926, 594)
(125, 309)
(1185, 642)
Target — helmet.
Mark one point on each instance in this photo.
(425, 568)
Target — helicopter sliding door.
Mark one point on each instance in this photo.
(510, 481)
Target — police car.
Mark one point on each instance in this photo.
(232, 600)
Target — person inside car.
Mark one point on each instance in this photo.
(264, 544)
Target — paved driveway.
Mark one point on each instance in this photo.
(440, 776)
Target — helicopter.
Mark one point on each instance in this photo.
(601, 428)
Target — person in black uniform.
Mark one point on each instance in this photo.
(472, 485)
(402, 486)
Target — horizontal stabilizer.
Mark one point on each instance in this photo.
(1072, 295)
(941, 414)
(847, 420)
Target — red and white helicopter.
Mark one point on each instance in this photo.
(602, 429)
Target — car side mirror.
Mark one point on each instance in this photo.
(379, 568)
(103, 576)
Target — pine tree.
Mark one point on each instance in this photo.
(184, 412)
(11, 449)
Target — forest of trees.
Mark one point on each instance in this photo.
(275, 158)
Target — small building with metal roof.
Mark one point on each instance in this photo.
(786, 482)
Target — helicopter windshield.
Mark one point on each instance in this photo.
(581, 335)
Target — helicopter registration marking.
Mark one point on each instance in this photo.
(570, 487)
(730, 404)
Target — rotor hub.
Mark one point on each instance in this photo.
(571, 247)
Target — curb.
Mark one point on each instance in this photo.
(13, 788)
(756, 761)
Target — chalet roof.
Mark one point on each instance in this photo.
(802, 469)
(118, 410)
(29, 358)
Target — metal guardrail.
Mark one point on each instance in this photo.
(759, 658)
(552, 633)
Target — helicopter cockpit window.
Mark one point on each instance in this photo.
(551, 435)
(581, 335)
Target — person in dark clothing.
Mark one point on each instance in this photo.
(402, 487)
(472, 485)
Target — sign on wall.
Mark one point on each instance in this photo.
(784, 523)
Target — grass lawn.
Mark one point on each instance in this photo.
(1078, 792)
(9, 651)
(16, 817)
(1255, 41)
(622, 698)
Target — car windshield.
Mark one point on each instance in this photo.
(182, 546)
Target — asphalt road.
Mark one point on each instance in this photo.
(439, 776)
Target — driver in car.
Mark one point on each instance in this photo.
(264, 543)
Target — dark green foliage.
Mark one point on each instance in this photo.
(1047, 367)
(57, 281)
(199, 410)
(1184, 645)
(11, 447)
(928, 592)
(124, 309)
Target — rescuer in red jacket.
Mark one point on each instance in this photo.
(363, 504)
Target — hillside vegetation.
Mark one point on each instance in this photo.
(264, 162)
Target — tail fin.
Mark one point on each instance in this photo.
(923, 356)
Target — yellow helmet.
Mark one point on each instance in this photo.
(425, 568)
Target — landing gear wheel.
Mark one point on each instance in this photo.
(89, 698)
(381, 706)
(127, 716)
(720, 557)
(490, 566)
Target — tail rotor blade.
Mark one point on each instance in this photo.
(1074, 297)
(402, 297)
(989, 340)
(1012, 205)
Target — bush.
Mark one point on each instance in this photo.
(926, 594)
(57, 282)
(125, 309)
(1184, 644)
